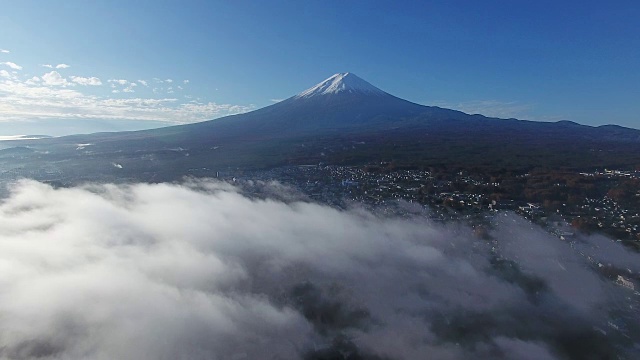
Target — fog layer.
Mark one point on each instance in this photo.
(201, 271)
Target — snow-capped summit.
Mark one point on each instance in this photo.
(341, 82)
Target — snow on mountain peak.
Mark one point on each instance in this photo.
(341, 82)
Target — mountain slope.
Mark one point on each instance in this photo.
(344, 119)
(343, 103)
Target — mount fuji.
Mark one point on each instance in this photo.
(344, 119)
(341, 104)
(344, 82)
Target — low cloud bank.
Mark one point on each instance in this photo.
(201, 271)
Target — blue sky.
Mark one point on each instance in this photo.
(68, 66)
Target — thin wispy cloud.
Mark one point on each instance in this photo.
(53, 95)
(118, 81)
(166, 81)
(4, 51)
(129, 87)
(12, 65)
(126, 85)
(93, 81)
(59, 66)
(52, 98)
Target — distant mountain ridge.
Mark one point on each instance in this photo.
(345, 119)
(342, 103)
(345, 104)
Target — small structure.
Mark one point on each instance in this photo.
(624, 282)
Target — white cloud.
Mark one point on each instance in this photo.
(118, 81)
(93, 81)
(129, 88)
(59, 66)
(33, 81)
(200, 271)
(186, 81)
(55, 79)
(3, 51)
(12, 65)
(166, 81)
(27, 100)
(49, 97)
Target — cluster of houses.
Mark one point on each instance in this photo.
(459, 193)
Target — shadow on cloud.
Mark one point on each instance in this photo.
(201, 271)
